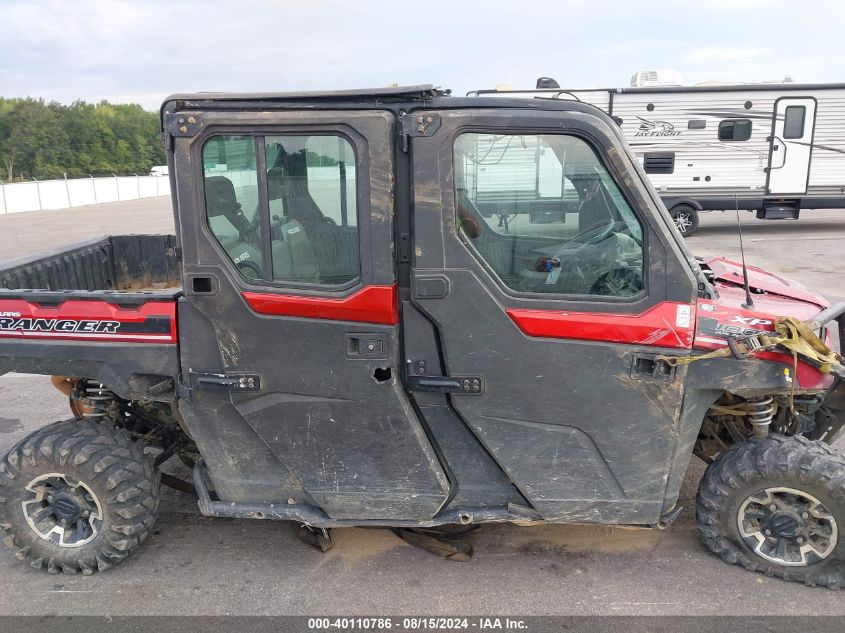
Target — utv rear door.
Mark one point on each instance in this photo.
(289, 324)
(552, 285)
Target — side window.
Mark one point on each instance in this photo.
(310, 219)
(313, 208)
(735, 130)
(231, 200)
(543, 213)
(793, 122)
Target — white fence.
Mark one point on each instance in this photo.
(63, 194)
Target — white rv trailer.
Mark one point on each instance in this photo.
(777, 147)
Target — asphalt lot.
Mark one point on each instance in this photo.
(197, 565)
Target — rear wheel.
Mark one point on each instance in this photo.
(76, 496)
(685, 218)
(776, 505)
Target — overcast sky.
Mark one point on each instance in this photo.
(141, 51)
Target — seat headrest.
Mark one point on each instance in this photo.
(220, 198)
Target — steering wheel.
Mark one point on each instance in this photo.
(618, 282)
(250, 270)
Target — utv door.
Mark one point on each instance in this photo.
(553, 284)
(791, 145)
(289, 325)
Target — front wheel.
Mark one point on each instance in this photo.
(76, 496)
(776, 505)
(685, 218)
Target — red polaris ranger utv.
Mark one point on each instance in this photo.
(400, 308)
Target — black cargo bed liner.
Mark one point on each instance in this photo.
(116, 269)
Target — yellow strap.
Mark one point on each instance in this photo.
(790, 333)
(801, 340)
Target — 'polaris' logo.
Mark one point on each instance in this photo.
(10, 314)
(656, 128)
(10, 324)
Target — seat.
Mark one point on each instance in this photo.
(293, 254)
(469, 215)
(222, 202)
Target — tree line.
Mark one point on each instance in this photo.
(45, 140)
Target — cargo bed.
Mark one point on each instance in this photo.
(122, 264)
(104, 308)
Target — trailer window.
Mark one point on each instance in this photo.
(307, 184)
(545, 216)
(735, 130)
(793, 122)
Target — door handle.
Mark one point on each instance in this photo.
(366, 346)
(653, 367)
(776, 143)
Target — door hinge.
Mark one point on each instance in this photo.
(182, 124)
(404, 248)
(224, 382)
(418, 124)
(466, 385)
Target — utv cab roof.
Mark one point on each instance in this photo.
(394, 97)
(421, 91)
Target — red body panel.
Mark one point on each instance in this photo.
(371, 304)
(668, 324)
(774, 293)
(87, 320)
(717, 315)
(773, 297)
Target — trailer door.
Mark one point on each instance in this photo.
(791, 145)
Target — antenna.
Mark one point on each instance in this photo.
(749, 302)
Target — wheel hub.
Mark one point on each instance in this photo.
(787, 526)
(683, 221)
(62, 510)
(66, 507)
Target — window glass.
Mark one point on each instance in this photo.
(231, 200)
(793, 122)
(313, 208)
(312, 194)
(735, 130)
(544, 214)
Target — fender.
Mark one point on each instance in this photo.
(673, 201)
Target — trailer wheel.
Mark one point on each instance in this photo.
(685, 218)
(77, 496)
(776, 505)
